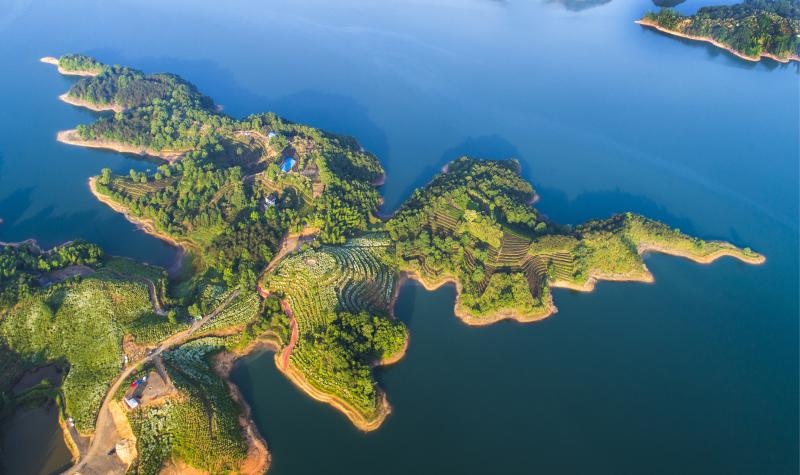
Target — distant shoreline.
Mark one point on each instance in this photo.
(655, 26)
(69, 137)
(54, 61)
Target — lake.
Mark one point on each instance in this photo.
(696, 373)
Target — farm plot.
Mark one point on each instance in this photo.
(339, 296)
(81, 323)
(199, 426)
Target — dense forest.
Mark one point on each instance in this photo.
(752, 28)
(80, 63)
(227, 199)
(23, 266)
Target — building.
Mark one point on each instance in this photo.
(287, 164)
(271, 134)
(269, 201)
(131, 402)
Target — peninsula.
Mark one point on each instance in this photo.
(751, 30)
(286, 252)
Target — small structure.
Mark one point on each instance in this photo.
(287, 164)
(269, 201)
(271, 134)
(131, 402)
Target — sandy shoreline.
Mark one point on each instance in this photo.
(707, 259)
(358, 420)
(474, 320)
(258, 457)
(88, 105)
(380, 181)
(145, 225)
(69, 137)
(650, 24)
(54, 61)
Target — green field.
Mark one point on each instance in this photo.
(340, 298)
(80, 323)
(199, 425)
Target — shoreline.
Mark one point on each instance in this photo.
(356, 418)
(68, 137)
(705, 39)
(258, 458)
(146, 225)
(66, 72)
(88, 105)
(733, 252)
(645, 276)
(380, 181)
(471, 319)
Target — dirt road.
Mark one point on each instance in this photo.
(96, 459)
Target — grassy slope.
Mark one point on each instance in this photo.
(81, 323)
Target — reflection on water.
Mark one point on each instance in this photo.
(667, 3)
(33, 444)
(578, 5)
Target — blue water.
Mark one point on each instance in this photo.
(696, 373)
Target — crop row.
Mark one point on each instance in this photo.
(242, 310)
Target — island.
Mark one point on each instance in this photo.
(284, 250)
(751, 30)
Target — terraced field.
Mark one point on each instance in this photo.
(242, 310)
(136, 190)
(318, 283)
(321, 286)
(199, 425)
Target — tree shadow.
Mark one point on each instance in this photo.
(483, 147)
(715, 52)
(331, 112)
(557, 206)
(13, 206)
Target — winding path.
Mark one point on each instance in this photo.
(105, 437)
(151, 289)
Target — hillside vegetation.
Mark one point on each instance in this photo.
(198, 424)
(473, 225)
(226, 199)
(79, 324)
(340, 298)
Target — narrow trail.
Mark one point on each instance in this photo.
(95, 459)
(287, 352)
(290, 243)
(151, 289)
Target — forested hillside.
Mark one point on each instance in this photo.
(752, 28)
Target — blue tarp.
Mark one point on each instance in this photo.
(288, 164)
